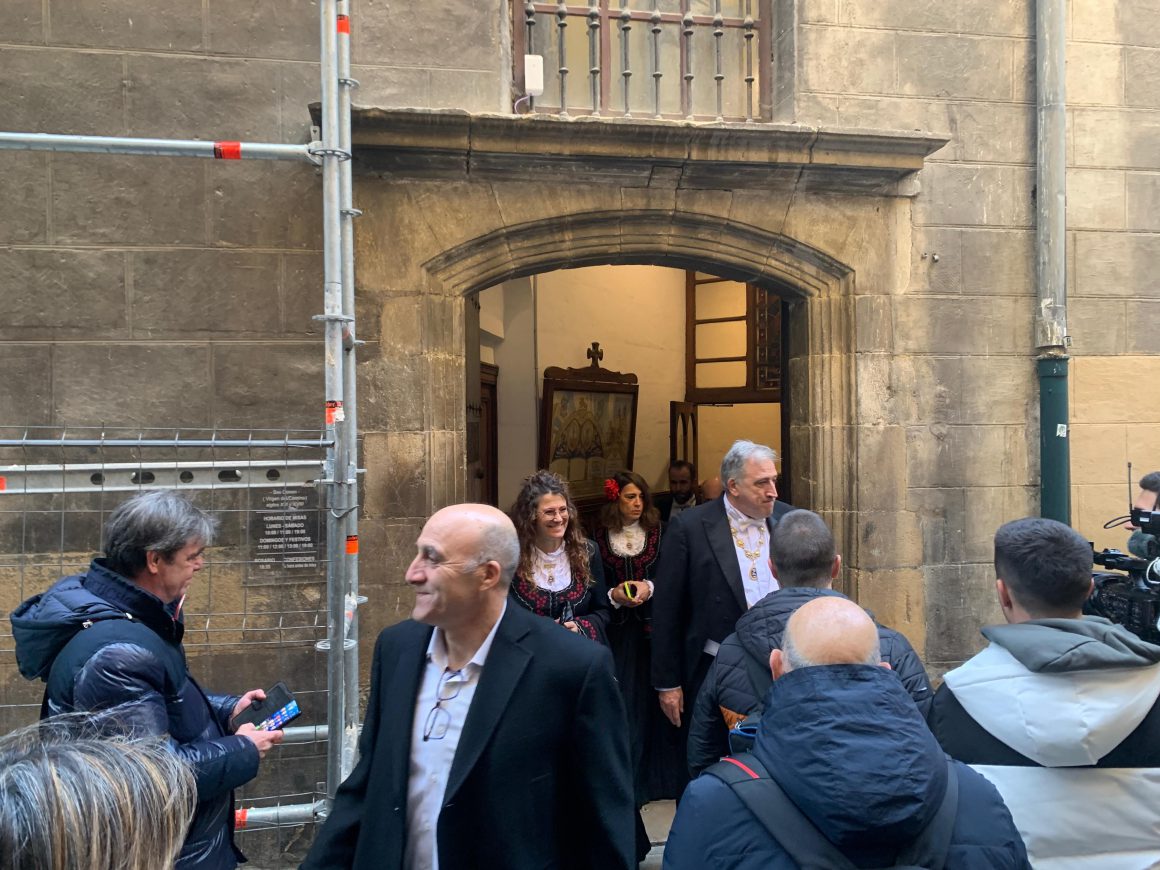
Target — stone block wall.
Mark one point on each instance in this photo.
(1113, 216)
(946, 357)
(960, 343)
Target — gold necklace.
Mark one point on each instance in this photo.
(751, 555)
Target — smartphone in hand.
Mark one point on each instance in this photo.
(277, 710)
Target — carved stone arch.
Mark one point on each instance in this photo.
(820, 288)
(684, 240)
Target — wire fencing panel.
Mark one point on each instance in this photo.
(252, 615)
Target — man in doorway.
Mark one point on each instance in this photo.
(682, 494)
(1061, 705)
(714, 565)
(807, 563)
(111, 637)
(843, 770)
(493, 737)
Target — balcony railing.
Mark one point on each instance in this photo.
(704, 60)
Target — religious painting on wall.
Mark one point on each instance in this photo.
(587, 425)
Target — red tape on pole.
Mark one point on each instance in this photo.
(344, 24)
(227, 150)
(240, 818)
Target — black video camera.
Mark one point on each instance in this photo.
(1131, 598)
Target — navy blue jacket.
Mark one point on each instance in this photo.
(99, 641)
(850, 749)
(728, 695)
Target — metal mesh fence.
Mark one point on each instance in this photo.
(255, 611)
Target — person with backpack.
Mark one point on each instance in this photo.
(807, 561)
(844, 772)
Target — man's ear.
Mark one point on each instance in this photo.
(491, 574)
(885, 665)
(1004, 593)
(152, 560)
(777, 664)
(836, 568)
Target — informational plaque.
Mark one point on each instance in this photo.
(288, 529)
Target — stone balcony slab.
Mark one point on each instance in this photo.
(452, 144)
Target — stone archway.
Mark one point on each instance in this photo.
(441, 223)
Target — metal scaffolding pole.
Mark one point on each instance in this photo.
(337, 487)
(340, 469)
(350, 344)
(221, 150)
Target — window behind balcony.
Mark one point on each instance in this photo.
(699, 60)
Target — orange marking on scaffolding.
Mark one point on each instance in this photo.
(3, 483)
(240, 817)
(351, 545)
(333, 411)
(344, 24)
(227, 150)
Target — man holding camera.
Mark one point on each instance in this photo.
(1142, 544)
(1061, 710)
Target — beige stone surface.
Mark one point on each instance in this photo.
(1095, 199)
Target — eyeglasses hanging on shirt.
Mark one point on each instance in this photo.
(439, 720)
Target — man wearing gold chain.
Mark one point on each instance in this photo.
(714, 566)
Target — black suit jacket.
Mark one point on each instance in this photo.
(664, 503)
(699, 593)
(541, 776)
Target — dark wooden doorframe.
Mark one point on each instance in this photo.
(489, 432)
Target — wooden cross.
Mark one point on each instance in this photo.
(595, 354)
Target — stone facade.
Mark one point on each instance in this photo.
(165, 292)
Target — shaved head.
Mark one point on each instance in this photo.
(496, 539)
(829, 631)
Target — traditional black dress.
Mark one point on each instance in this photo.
(658, 754)
(587, 605)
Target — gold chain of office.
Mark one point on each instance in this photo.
(751, 555)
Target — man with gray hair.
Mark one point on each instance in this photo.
(112, 636)
(491, 737)
(844, 772)
(714, 565)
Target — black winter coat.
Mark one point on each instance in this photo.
(729, 694)
(98, 641)
(848, 747)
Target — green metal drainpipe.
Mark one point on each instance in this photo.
(1054, 443)
(1051, 339)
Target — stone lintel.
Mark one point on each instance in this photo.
(453, 144)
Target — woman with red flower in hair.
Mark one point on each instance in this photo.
(559, 575)
(629, 538)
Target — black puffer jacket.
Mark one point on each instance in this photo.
(99, 640)
(728, 694)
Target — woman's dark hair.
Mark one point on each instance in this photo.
(523, 514)
(610, 516)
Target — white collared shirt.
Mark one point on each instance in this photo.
(431, 759)
(754, 535)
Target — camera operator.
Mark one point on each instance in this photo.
(1141, 543)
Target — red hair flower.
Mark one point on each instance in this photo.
(611, 490)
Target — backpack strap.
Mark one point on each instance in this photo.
(929, 849)
(788, 826)
(804, 843)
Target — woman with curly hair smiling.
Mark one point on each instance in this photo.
(559, 574)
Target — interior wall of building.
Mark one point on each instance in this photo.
(636, 313)
(718, 426)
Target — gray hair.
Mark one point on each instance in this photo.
(160, 521)
(75, 797)
(498, 542)
(733, 465)
(794, 660)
